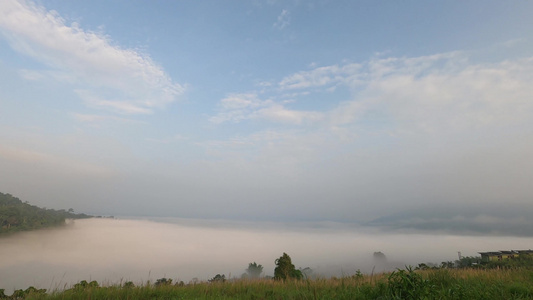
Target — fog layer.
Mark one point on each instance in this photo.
(113, 251)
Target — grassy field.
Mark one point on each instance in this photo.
(401, 284)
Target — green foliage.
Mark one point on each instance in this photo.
(163, 281)
(447, 264)
(254, 270)
(455, 284)
(468, 261)
(407, 284)
(307, 273)
(443, 278)
(23, 294)
(358, 275)
(218, 278)
(16, 215)
(85, 285)
(180, 283)
(285, 269)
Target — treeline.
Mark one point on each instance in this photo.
(16, 215)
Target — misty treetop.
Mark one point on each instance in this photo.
(254, 270)
(16, 215)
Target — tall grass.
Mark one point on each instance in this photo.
(401, 284)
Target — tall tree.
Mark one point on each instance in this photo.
(285, 269)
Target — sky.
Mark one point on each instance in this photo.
(407, 115)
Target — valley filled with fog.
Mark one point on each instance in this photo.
(118, 250)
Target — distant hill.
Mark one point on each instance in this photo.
(16, 215)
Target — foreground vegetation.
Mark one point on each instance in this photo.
(516, 283)
(16, 215)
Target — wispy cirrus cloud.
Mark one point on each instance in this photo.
(125, 80)
(118, 106)
(239, 107)
(320, 77)
(277, 112)
(438, 94)
(283, 20)
(427, 93)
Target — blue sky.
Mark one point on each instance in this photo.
(344, 111)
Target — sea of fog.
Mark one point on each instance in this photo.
(111, 251)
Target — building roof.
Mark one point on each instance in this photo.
(506, 252)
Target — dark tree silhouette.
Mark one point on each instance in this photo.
(218, 278)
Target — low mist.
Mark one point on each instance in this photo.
(118, 250)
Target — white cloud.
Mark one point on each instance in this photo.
(433, 94)
(320, 77)
(241, 101)
(239, 107)
(86, 58)
(442, 95)
(277, 112)
(283, 20)
(355, 74)
(264, 84)
(118, 106)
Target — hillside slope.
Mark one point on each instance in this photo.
(16, 215)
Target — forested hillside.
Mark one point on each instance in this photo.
(16, 215)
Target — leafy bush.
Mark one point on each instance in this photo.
(218, 278)
(85, 285)
(23, 294)
(163, 281)
(407, 284)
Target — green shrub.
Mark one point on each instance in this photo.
(163, 281)
(407, 284)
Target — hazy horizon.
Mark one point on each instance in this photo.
(111, 251)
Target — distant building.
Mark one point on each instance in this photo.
(503, 255)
